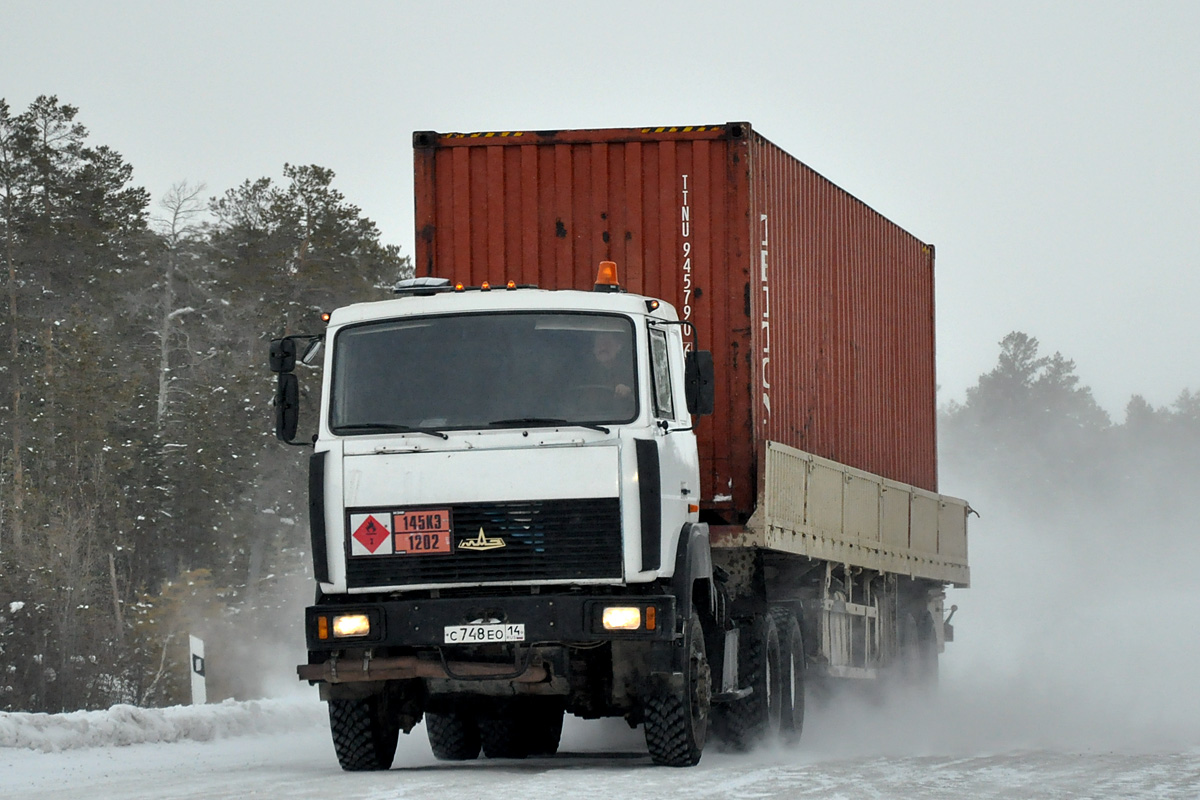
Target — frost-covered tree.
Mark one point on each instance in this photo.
(135, 417)
(73, 234)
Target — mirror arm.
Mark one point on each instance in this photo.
(683, 323)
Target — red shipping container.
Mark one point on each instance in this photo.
(818, 310)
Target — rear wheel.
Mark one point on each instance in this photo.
(530, 727)
(365, 732)
(453, 736)
(927, 653)
(743, 723)
(543, 726)
(791, 674)
(501, 737)
(918, 653)
(676, 722)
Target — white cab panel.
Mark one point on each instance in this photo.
(471, 476)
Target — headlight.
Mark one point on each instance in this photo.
(622, 618)
(351, 625)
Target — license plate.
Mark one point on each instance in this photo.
(419, 533)
(485, 634)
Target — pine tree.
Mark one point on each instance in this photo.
(73, 232)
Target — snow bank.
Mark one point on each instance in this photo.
(123, 724)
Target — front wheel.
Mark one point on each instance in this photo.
(365, 732)
(677, 721)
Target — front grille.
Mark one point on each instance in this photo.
(544, 540)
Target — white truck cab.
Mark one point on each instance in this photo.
(504, 501)
(540, 411)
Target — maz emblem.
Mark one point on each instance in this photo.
(481, 542)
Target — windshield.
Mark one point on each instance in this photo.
(482, 371)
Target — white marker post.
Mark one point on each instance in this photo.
(199, 692)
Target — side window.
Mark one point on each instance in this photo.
(660, 368)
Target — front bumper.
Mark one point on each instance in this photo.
(547, 620)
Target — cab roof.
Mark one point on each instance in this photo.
(502, 299)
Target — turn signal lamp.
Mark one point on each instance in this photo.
(606, 278)
(622, 618)
(349, 625)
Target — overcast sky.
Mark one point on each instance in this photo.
(1052, 156)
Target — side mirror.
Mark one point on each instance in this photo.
(287, 406)
(283, 355)
(698, 376)
(311, 350)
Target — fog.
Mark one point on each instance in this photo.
(1077, 634)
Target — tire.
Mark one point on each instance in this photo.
(365, 732)
(453, 736)
(744, 723)
(927, 654)
(543, 727)
(917, 670)
(677, 723)
(503, 736)
(791, 674)
(531, 727)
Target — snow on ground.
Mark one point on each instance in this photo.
(123, 724)
(281, 748)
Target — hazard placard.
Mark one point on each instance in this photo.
(371, 534)
(425, 532)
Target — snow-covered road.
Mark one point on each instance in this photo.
(281, 749)
(1047, 693)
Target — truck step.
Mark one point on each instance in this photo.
(736, 694)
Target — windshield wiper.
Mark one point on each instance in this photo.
(546, 421)
(386, 427)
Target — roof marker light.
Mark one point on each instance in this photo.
(510, 285)
(485, 287)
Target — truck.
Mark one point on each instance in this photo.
(651, 435)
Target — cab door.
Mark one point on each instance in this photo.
(674, 446)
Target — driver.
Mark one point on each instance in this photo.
(612, 369)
